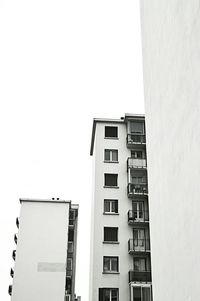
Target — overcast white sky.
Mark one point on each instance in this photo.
(62, 63)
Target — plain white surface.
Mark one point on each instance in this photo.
(171, 48)
(42, 242)
(61, 64)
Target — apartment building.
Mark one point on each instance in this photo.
(120, 240)
(45, 255)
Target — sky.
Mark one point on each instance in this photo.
(62, 63)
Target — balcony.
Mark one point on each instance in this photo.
(137, 216)
(10, 290)
(139, 276)
(15, 238)
(11, 272)
(14, 254)
(138, 246)
(137, 190)
(17, 222)
(136, 139)
(136, 163)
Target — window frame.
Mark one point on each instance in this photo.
(102, 292)
(111, 137)
(111, 201)
(110, 155)
(111, 241)
(110, 259)
(111, 186)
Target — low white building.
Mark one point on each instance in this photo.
(45, 256)
(120, 244)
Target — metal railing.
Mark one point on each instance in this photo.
(136, 163)
(137, 189)
(138, 216)
(139, 245)
(136, 138)
(141, 276)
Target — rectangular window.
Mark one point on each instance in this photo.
(108, 294)
(111, 155)
(141, 264)
(110, 234)
(111, 132)
(110, 180)
(141, 293)
(69, 264)
(138, 211)
(111, 206)
(110, 264)
(137, 127)
(137, 154)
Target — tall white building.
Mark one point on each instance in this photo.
(120, 246)
(45, 254)
(171, 60)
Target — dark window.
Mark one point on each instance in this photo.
(108, 294)
(111, 206)
(110, 234)
(110, 179)
(141, 293)
(137, 154)
(137, 127)
(110, 264)
(111, 132)
(71, 235)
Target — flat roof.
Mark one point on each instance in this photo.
(107, 120)
(52, 200)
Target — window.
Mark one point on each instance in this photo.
(70, 248)
(141, 293)
(137, 127)
(110, 264)
(111, 155)
(69, 264)
(111, 132)
(110, 179)
(108, 294)
(138, 211)
(141, 264)
(137, 154)
(110, 234)
(111, 206)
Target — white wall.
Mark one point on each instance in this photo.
(41, 252)
(100, 221)
(171, 58)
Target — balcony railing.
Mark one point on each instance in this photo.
(138, 245)
(136, 138)
(136, 163)
(139, 189)
(139, 276)
(138, 216)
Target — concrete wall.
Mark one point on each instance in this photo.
(40, 266)
(98, 279)
(171, 58)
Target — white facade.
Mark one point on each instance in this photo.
(41, 260)
(171, 54)
(102, 279)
